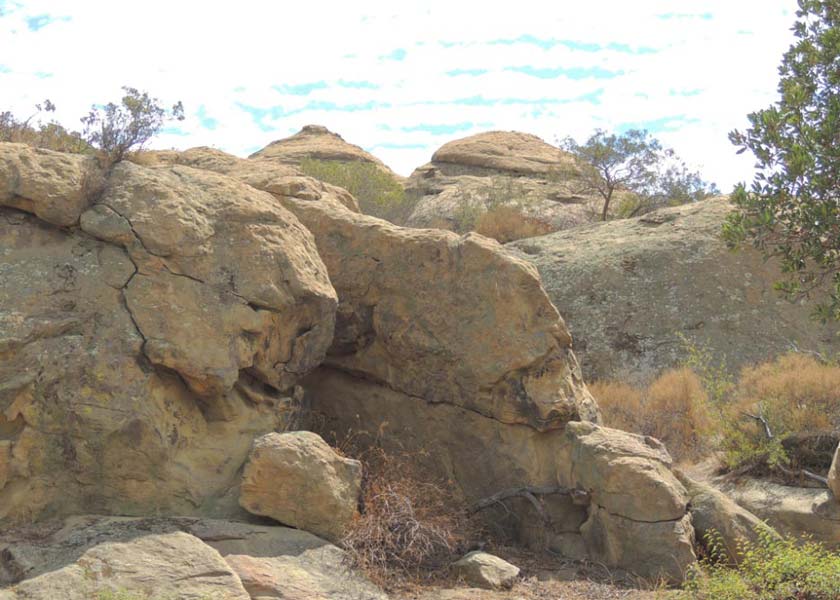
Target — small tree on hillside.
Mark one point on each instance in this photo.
(117, 129)
(634, 162)
(792, 210)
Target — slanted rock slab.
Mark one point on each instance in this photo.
(297, 479)
(486, 571)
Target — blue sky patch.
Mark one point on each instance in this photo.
(571, 72)
(470, 72)
(398, 55)
(439, 129)
(206, 121)
(394, 146)
(5, 69)
(358, 85)
(301, 89)
(707, 16)
(40, 21)
(174, 131)
(672, 123)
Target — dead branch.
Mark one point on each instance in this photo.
(760, 418)
(530, 493)
(804, 473)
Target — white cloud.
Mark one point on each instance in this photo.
(203, 53)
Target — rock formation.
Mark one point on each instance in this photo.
(160, 321)
(107, 403)
(628, 289)
(317, 142)
(297, 479)
(484, 570)
(833, 474)
(84, 557)
(469, 177)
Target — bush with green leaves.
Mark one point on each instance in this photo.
(634, 162)
(36, 132)
(377, 192)
(770, 568)
(117, 129)
(792, 210)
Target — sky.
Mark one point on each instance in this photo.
(400, 79)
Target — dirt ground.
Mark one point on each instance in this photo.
(545, 577)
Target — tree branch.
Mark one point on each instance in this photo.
(530, 493)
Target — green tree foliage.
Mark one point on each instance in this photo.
(377, 192)
(767, 569)
(791, 210)
(117, 129)
(634, 162)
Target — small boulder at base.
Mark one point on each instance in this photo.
(297, 479)
(485, 570)
(834, 475)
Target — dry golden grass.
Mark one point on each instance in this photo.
(507, 224)
(673, 409)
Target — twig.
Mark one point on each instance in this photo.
(804, 473)
(529, 493)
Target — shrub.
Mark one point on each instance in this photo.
(795, 394)
(508, 223)
(674, 409)
(410, 525)
(117, 129)
(378, 193)
(768, 569)
(34, 132)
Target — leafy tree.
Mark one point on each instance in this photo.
(633, 162)
(791, 210)
(117, 129)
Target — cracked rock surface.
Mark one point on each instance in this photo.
(143, 350)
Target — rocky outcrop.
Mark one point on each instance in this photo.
(107, 402)
(484, 570)
(638, 517)
(629, 288)
(792, 511)
(833, 474)
(297, 479)
(720, 524)
(85, 557)
(513, 171)
(318, 142)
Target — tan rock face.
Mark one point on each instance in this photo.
(318, 142)
(628, 475)
(446, 318)
(485, 570)
(297, 479)
(53, 185)
(792, 511)
(106, 401)
(204, 558)
(628, 288)
(834, 475)
(176, 562)
(507, 151)
(474, 175)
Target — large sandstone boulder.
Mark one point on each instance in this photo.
(297, 479)
(629, 288)
(107, 402)
(178, 563)
(188, 557)
(513, 176)
(318, 142)
(718, 521)
(638, 517)
(833, 474)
